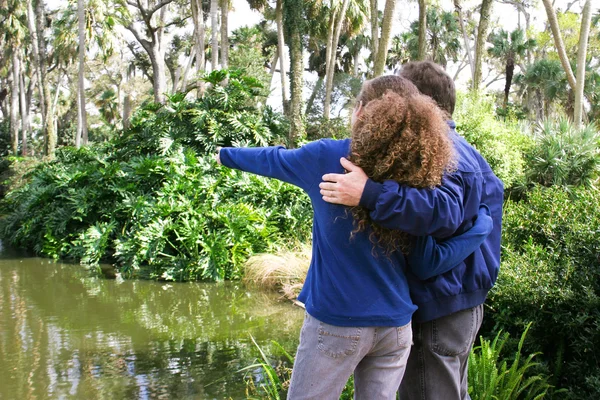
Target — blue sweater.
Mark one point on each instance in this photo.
(445, 212)
(349, 283)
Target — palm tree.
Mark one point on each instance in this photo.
(547, 80)
(214, 25)
(560, 46)
(82, 134)
(584, 32)
(384, 41)
(509, 47)
(484, 22)
(458, 8)
(442, 37)
(293, 21)
(399, 53)
(422, 30)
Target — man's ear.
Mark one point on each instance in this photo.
(359, 108)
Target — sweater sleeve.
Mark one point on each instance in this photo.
(298, 166)
(438, 212)
(429, 258)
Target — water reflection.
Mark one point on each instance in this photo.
(66, 334)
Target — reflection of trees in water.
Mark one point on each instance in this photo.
(63, 334)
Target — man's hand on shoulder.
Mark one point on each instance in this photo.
(345, 189)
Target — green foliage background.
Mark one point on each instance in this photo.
(154, 202)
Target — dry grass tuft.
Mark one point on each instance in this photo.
(284, 272)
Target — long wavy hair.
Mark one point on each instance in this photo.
(401, 135)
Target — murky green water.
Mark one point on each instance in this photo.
(67, 335)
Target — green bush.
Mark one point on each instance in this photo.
(490, 377)
(151, 203)
(550, 276)
(563, 155)
(501, 143)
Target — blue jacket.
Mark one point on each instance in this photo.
(350, 283)
(445, 212)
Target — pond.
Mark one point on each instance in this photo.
(67, 334)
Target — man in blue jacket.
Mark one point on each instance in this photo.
(450, 305)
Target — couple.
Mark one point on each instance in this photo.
(414, 246)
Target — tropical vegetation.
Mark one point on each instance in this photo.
(111, 110)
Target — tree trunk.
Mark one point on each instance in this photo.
(199, 32)
(49, 130)
(482, 29)
(31, 25)
(423, 30)
(281, 52)
(127, 102)
(159, 75)
(374, 30)
(24, 106)
(313, 95)
(81, 114)
(458, 7)
(558, 42)
(214, 22)
(330, 66)
(293, 21)
(224, 33)
(386, 28)
(586, 18)
(14, 104)
(510, 69)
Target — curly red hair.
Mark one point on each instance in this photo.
(402, 135)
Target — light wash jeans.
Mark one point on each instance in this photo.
(438, 363)
(328, 355)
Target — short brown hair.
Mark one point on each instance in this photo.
(431, 80)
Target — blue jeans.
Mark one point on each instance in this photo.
(328, 355)
(438, 363)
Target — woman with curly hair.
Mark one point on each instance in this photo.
(358, 307)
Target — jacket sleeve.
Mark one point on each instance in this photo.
(298, 166)
(420, 212)
(429, 258)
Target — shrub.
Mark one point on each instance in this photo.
(563, 155)
(152, 205)
(490, 377)
(550, 276)
(500, 143)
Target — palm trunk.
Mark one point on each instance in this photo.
(423, 30)
(281, 52)
(374, 30)
(293, 14)
(558, 42)
(584, 32)
(458, 7)
(386, 28)
(127, 103)
(224, 37)
(335, 28)
(510, 69)
(49, 128)
(14, 104)
(199, 32)
(313, 95)
(214, 22)
(31, 25)
(24, 105)
(484, 22)
(81, 114)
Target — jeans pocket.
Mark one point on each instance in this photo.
(404, 336)
(338, 341)
(454, 334)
